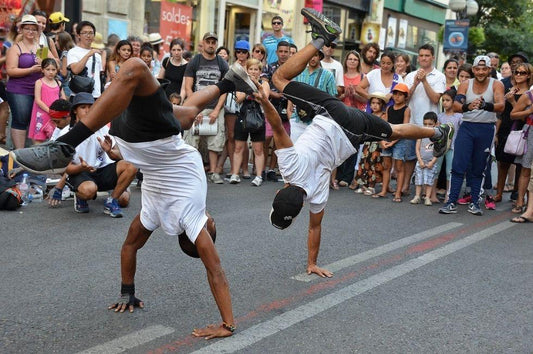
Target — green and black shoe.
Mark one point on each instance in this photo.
(321, 26)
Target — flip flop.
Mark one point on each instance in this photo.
(378, 196)
(397, 200)
(520, 220)
(517, 209)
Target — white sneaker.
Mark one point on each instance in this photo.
(427, 201)
(415, 200)
(215, 178)
(258, 180)
(234, 179)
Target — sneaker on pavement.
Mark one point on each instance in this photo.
(271, 176)
(215, 178)
(112, 208)
(359, 190)
(238, 75)
(321, 26)
(258, 180)
(490, 204)
(415, 200)
(234, 179)
(427, 201)
(442, 145)
(449, 208)
(51, 157)
(80, 205)
(475, 209)
(465, 200)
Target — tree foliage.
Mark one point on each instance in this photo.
(507, 25)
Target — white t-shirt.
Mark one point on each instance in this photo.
(75, 54)
(375, 84)
(308, 164)
(419, 103)
(336, 69)
(91, 151)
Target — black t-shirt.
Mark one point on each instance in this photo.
(174, 74)
(147, 118)
(395, 116)
(207, 72)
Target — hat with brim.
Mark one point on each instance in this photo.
(155, 38)
(286, 206)
(520, 55)
(188, 247)
(57, 17)
(98, 42)
(210, 35)
(82, 98)
(28, 20)
(379, 95)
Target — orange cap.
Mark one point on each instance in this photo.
(401, 87)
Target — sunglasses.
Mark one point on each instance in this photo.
(258, 51)
(239, 51)
(277, 23)
(520, 73)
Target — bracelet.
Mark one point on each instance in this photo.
(489, 107)
(127, 289)
(465, 107)
(229, 327)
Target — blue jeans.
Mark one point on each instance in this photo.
(21, 107)
(472, 148)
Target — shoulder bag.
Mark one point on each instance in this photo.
(516, 143)
(83, 82)
(252, 117)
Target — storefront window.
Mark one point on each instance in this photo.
(175, 19)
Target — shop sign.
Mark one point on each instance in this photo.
(175, 22)
(456, 35)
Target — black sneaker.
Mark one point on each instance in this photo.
(237, 74)
(271, 176)
(321, 26)
(51, 157)
(443, 144)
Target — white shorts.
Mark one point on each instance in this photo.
(174, 188)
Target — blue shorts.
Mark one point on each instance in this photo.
(397, 151)
(21, 107)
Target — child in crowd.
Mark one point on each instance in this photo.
(370, 166)
(47, 90)
(448, 116)
(426, 165)
(175, 98)
(147, 55)
(398, 113)
(122, 52)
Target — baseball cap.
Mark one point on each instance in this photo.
(479, 58)
(82, 98)
(57, 17)
(28, 20)
(401, 87)
(243, 45)
(287, 204)
(210, 35)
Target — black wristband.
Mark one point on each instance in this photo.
(127, 289)
(465, 107)
(489, 107)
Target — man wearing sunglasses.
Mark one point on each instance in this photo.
(271, 41)
(479, 99)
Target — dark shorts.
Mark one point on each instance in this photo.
(241, 134)
(105, 178)
(359, 126)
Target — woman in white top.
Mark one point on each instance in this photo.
(380, 80)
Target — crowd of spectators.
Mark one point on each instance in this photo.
(383, 83)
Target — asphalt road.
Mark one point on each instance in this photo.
(407, 280)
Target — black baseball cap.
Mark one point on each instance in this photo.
(287, 204)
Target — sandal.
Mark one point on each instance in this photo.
(343, 184)
(397, 200)
(353, 186)
(518, 209)
(521, 220)
(335, 185)
(497, 198)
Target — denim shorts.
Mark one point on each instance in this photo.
(21, 107)
(397, 151)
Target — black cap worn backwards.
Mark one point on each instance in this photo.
(287, 204)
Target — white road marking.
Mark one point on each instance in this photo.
(378, 251)
(130, 341)
(265, 329)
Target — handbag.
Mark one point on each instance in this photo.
(82, 82)
(516, 143)
(251, 116)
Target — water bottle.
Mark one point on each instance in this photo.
(65, 194)
(36, 194)
(38, 122)
(24, 190)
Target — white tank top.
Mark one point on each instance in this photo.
(480, 115)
